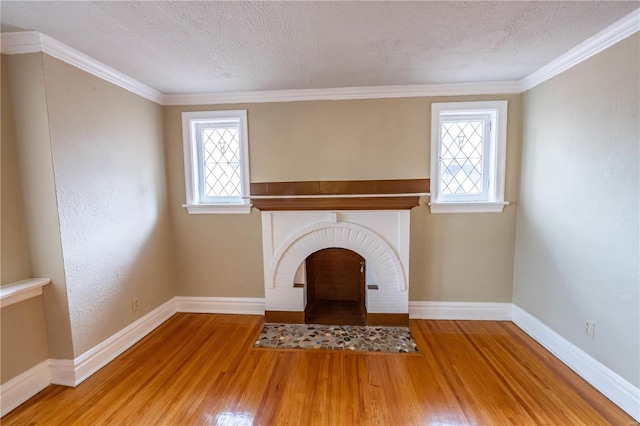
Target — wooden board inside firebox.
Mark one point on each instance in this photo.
(335, 288)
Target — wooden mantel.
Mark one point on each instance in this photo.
(397, 194)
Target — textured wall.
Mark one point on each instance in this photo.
(109, 168)
(31, 131)
(577, 229)
(15, 249)
(220, 255)
(22, 325)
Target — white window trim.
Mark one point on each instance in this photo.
(193, 204)
(496, 202)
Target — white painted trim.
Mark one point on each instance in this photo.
(71, 373)
(86, 63)
(33, 41)
(494, 148)
(221, 305)
(608, 37)
(195, 204)
(21, 42)
(610, 384)
(417, 310)
(63, 372)
(22, 387)
(74, 372)
(470, 207)
(346, 93)
(218, 208)
(21, 290)
(479, 311)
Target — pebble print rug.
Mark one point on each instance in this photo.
(337, 338)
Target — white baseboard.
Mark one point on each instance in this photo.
(478, 311)
(610, 384)
(24, 386)
(221, 305)
(73, 372)
(417, 310)
(63, 372)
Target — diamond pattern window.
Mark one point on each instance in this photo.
(220, 166)
(216, 161)
(468, 156)
(462, 155)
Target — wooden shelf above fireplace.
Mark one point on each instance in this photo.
(397, 194)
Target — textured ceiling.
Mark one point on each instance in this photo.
(196, 47)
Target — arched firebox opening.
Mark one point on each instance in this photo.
(381, 237)
(335, 288)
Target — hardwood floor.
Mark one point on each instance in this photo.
(203, 369)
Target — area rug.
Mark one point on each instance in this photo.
(337, 338)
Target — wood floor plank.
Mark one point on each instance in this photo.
(202, 369)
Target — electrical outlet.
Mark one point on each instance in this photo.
(134, 305)
(590, 328)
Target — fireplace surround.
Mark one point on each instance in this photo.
(370, 218)
(380, 237)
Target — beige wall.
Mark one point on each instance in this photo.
(577, 230)
(220, 255)
(23, 338)
(91, 164)
(338, 140)
(108, 157)
(15, 249)
(468, 257)
(22, 325)
(33, 143)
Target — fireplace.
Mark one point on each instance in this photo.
(380, 237)
(368, 219)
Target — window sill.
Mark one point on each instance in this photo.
(22, 290)
(470, 207)
(218, 208)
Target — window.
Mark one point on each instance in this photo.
(216, 161)
(468, 147)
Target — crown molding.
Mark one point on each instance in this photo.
(33, 41)
(86, 63)
(346, 93)
(22, 42)
(622, 29)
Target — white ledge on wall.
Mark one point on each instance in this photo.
(218, 208)
(22, 290)
(470, 207)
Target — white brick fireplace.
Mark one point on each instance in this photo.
(381, 237)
